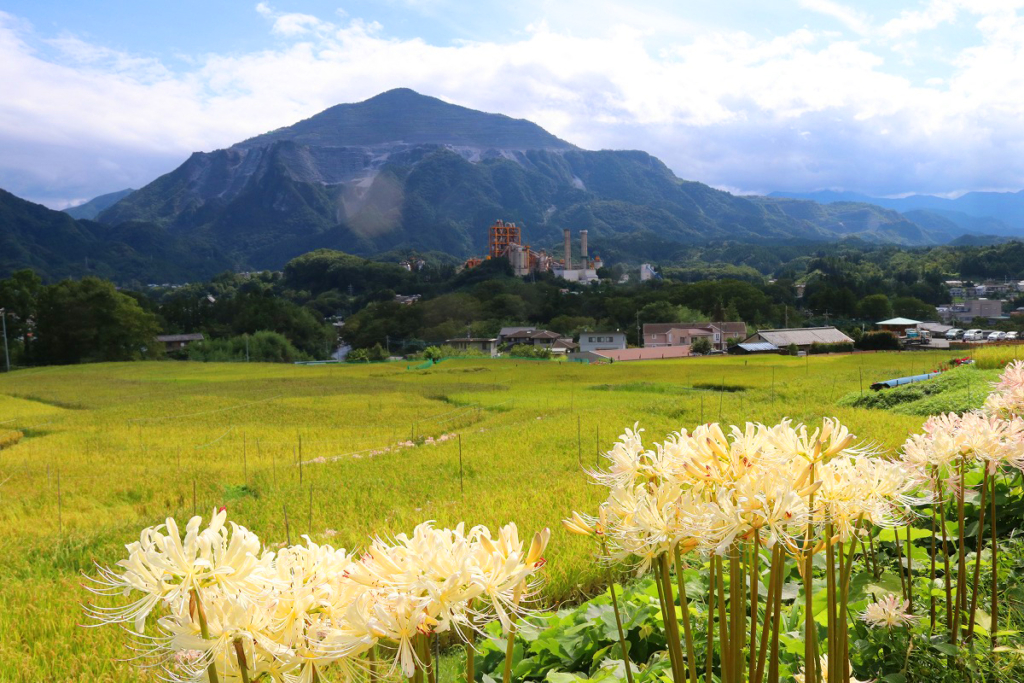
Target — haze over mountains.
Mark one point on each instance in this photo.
(406, 171)
(992, 213)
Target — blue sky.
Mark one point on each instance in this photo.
(883, 98)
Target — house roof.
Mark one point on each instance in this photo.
(758, 347)
(545, 334)
(802, 336)
(565, 344)
(725, 327)
(470, 339)
(169, 338)
(899, 321)
(506, 331)
(692, 331)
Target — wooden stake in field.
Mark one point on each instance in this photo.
(721, 397)
(579, 439)
(462, 490)
(60, 509)
(287, 531)
(245, 463)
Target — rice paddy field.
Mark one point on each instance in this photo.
(345, 452)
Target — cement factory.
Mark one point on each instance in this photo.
(505, 241)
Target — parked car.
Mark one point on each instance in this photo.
(955, 333)
(1011, 336)
(996, 335)
(973, 335)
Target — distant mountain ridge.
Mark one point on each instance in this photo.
(92, 208)
(406, 171)
(994, 213)
(56, 245)
(403, 170)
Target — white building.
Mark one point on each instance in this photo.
(602, 341)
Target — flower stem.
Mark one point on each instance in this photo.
(737, 610)
(755, 577)
(947, 578)
(931, 574)
(510, 645)
(773, 666)
(204, 630)
(712, 590)
(830, 588)
(995, 570)
(961, 571)
(618, 620)
(723, 631)
(240, 656)
(774, 584)
(977, 557)
(910, 569)
(684, 606)
(671, 623)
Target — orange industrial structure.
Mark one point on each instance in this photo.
(501, 236)
(505, 240)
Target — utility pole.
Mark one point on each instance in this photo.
(639, 337)
(7, 354)
(246, 348)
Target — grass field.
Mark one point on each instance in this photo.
(109, 449)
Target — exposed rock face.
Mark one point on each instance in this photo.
(406, 170)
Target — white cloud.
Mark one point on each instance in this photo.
(291, 24)
(801, 110)
(915, 21)
(856, 21)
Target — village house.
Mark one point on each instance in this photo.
(602, 341)
(901, 327)
(531, 336)
(684, 334)
(488, 346)
(971, 309)
(178, 342)
(801, 337)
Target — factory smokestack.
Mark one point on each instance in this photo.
(568, 249)
(583, 247)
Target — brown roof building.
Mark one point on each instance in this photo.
(683, 334)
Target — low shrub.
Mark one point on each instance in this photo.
(882, 340)
(841, 347)
(263, 347)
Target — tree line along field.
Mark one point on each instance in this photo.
(343, 453)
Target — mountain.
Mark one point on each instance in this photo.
(90, 209)
(403, 170)
(56, 245)
(1002, 213)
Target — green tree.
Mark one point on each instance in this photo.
(701, 346)
(875, 307)
(914, 308)
(89, 320)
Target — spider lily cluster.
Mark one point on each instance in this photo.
(745, 497)
(228, 609)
